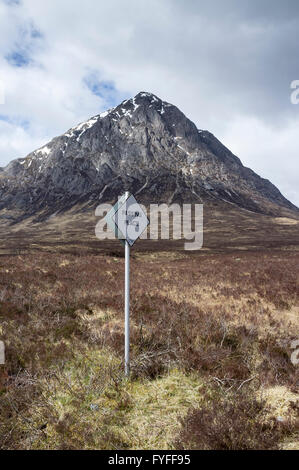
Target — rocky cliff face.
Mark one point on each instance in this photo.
(144, 145)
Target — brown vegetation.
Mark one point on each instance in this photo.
(223, 323)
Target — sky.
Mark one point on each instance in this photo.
(228, 65)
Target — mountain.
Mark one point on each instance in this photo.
(144, 145)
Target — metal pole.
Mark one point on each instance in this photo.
(127, 306)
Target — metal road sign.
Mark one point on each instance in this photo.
(128, 221)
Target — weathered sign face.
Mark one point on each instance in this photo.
(127, 219)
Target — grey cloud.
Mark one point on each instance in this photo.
(244, 54)
(220, 61)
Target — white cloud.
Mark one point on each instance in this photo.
(16, 141)
(229, 69)
(271, 152)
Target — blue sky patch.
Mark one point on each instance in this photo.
(18, 59)
(28, 41)
(17, 121)
(12, 2)
(103, 89)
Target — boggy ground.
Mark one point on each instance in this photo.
(211, 338)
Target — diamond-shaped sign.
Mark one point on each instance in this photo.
(127, 219)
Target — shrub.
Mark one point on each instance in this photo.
(237, 422)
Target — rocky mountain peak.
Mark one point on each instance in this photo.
(144, 145)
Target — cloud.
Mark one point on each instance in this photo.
(15, 137)
(24, 46)
(274, 155)
(227, 65)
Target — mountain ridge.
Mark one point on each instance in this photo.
(144, 145)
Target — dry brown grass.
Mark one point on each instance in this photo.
(226, 319)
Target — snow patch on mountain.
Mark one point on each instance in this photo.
(44, 151)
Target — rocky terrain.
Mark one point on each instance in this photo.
(144, 145)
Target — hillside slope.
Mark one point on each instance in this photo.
(144, 145)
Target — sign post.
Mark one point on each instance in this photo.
(127, 302)
(128, 221)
